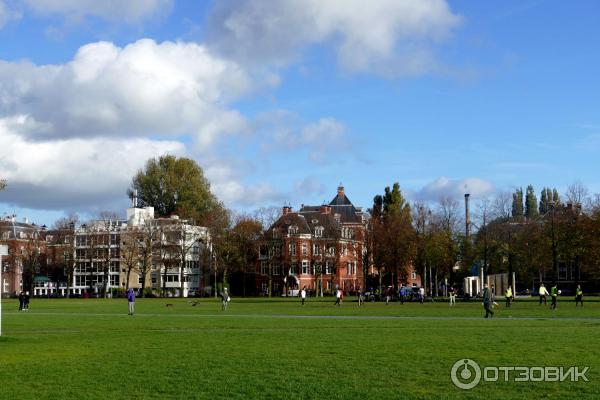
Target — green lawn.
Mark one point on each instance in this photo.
(275, 349)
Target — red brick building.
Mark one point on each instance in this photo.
(320, 247)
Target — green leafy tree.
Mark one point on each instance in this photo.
(395, 234)
(517, 204)
(175, 185)
(531, 205)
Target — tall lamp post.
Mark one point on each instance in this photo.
(3, 252)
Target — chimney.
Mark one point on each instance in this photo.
(467, 216)
(340, 190)
(287, 210)
(325, 209)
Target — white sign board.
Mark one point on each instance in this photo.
(3, 252)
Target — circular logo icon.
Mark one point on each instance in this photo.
(465, 374)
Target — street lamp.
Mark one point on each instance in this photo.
(3, 252)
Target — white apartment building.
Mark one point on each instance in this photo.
(170, 253)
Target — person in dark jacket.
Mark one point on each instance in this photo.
(488, 301)
(21, 301)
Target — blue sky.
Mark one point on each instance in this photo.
(280, 101)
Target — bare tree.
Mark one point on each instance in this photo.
(577, 193)
(109, 248)
(267, 215)
(130, 252)
(2, 183)
(502, 205)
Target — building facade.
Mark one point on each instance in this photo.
(26, 251)
(164, 255)
(320, 247)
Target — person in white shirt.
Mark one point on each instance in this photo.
(303, 294)
(422, 295)
(338, 298)
(543, 293)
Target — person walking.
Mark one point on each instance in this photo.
(543, 293)
(131, 300)
(421, 295)
(508, 294)
(578, 296)
(225, 299)
(21, 300)
(401, 294)
(303, 295)
(338, 298)
(488, 301)
(452, 295)
(388, 295)
(26, 301)
(554, 295)
(361, 297)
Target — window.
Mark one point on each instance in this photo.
(277, 251)
(263, 251)
(293, 269)
(327, 267)
(304, 249)
(264, 268)
(114, 239)
(344, 250)
(351, 268)
(292, 249)
(305, 266)
(317, 249)
(293, 229)
(331, 250)
(413, 275)
(154, 278)
(319, 231)
(275, 233)
(276, 269)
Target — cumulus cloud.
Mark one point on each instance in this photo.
(388, 37)
(284, 130)
(8, 12)
(454, 188)
(71, 172)
(130, 11)
(144, 88)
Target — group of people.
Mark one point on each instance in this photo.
(23, 301)
(489, 297)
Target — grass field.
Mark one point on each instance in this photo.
(276, 349)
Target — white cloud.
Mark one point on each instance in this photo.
(71, 172)
(454, 188)
(284, 131)
(388, 37)
(8, 12)
(142, 89)
(130, 11)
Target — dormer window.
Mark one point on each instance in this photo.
(293, 229)
(319, 231)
